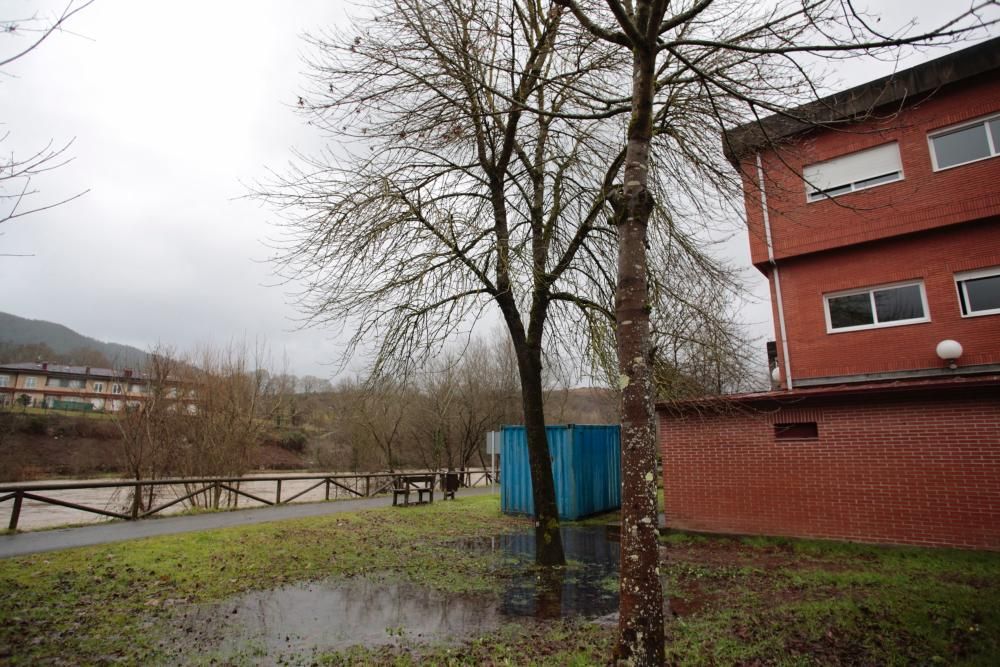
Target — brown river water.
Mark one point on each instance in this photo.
(36, 514)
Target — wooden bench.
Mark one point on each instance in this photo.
(404, 485)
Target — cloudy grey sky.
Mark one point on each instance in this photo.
(173, 107)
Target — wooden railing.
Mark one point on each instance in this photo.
(211, 491)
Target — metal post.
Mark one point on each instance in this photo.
(15, 512)
(277, 500)
(136, 501)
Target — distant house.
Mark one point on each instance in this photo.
(70, 387)
(879, 232)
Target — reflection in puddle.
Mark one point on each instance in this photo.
(340, 613)
(586, 588)
(336, 615)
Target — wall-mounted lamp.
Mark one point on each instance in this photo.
(950, 350)
(776, 375)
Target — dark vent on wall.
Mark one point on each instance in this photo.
(796, 431)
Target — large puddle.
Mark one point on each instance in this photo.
(334, 615)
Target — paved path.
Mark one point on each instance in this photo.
(22, 544)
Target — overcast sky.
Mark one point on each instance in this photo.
(173, 107)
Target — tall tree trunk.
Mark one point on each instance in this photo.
(548, 542)
(640, 625)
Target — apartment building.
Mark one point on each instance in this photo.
(877, 225)
(81, 388)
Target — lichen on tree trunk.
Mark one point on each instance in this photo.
(640, 628)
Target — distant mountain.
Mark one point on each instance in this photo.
(29, 336)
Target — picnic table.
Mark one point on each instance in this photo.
(421, 485)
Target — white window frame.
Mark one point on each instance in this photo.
(871, 296)
(99, 386)
(982, 120)
(812, 198)
(116, 389)
(963, 295)
(31, 382)
(4, 380)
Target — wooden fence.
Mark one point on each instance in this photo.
(211, 491)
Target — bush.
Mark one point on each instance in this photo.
(292, 441)
(36, 426)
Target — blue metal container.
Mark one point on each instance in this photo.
(586, 467)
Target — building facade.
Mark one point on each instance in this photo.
(876, 219)
(70, 387)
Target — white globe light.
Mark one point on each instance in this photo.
(949, 350)
(776, 374)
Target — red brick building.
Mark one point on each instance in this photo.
(878, 227)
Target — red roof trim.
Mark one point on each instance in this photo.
(869, 388)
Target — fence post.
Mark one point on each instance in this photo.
(15, 512)
(277, 500)
(327, 488)
(136, 500)
(368, 486)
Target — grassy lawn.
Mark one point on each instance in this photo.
(733, 601)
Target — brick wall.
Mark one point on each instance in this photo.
(933, 257)
(924, 199)
(899, 468)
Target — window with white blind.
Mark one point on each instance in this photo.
(856, 171)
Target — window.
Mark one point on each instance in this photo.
(98, 386)
(887, 306)
(4, 380)
(857, 171)
(116, 389)
(796, 431)
(967, 143)
(30, 382)
(979, 292)
(76, 384)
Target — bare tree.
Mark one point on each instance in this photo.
(459, 398)
(151, 423)
(454, 199)
(17, 172)
(372, 419)
(697, 65)
(225, 398)
(478, 163)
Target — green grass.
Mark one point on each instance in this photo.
(96, 601)
(87, 414)
(786, 601)
(735, 600)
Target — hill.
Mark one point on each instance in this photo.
(19, 335)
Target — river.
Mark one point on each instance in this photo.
(36, 514)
